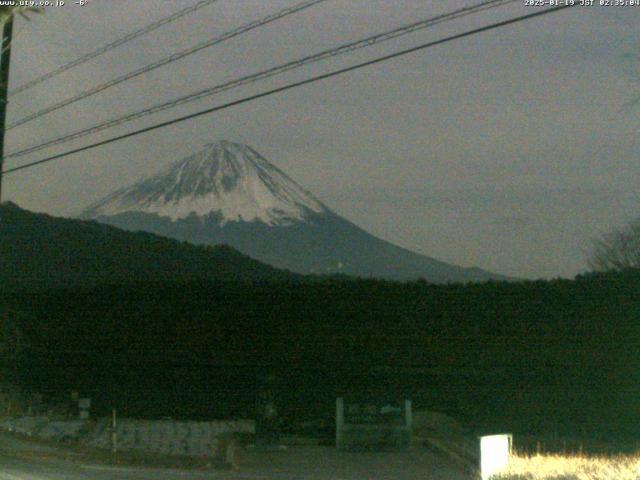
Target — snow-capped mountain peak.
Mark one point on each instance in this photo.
(227, 179)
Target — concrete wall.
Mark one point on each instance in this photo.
(167, 436)
(159, 436)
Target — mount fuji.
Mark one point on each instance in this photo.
(229, 193)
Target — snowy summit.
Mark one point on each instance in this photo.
(226, 179)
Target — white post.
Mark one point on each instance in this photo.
(495, 451)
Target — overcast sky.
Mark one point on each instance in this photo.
(508, 150)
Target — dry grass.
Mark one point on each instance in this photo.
(572, 467)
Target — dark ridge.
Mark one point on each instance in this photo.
(38, 251)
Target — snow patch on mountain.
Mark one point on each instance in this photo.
(228, 179)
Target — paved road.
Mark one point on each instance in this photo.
(23, 460)
(23, 470)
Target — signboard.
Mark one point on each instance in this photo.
(374, 414)
(373, 425)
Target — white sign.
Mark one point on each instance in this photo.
(84, 403)
(494, 454)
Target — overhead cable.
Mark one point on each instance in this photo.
(333, 52)
(167, 60)
(110, 46)
(290, 86)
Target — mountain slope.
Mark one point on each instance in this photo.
(39, 251)
(228, 193)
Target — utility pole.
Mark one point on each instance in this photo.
(7, 33)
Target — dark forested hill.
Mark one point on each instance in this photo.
(155, 327)
(526, 356)
(38, 251)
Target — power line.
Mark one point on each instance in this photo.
(340, 50)
(121, 41)
(290, 86)
(167, 60)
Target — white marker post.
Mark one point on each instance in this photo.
(495, 451)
